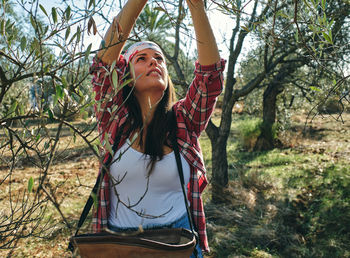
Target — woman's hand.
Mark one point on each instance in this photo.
(119, 30)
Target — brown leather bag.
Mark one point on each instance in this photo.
(172, 242)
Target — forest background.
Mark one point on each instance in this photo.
(276, 149)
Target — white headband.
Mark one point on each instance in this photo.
(139, 46)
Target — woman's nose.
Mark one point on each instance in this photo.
(153, 61)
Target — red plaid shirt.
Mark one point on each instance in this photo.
(192, 115)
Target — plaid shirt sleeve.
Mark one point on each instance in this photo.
(201, 96)
(193, 113)
(108, 96)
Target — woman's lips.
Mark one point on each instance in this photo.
(154, 71)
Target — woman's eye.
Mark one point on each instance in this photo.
(159, 58)
(140, 58)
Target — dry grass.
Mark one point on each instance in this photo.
(280, 204)
(262, 214)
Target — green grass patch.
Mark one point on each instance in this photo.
(292, 202)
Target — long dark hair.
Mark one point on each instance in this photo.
(158, 128)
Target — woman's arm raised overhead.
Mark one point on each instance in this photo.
(208, 52)
(119, 30)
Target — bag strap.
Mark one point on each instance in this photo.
(181, 173)
(94, 190)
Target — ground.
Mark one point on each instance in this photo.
(289, 202)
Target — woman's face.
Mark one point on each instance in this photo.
(150, 73)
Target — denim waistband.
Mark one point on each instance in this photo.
(183, 220)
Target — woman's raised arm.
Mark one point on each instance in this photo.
(114, 39)
(208, 52)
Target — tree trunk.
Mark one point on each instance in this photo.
(219, 135)
(219, 163)
(266, 138)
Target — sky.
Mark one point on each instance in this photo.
(221, 24)
(222, 27)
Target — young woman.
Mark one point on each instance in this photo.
(142, 185)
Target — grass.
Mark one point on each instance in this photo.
(289, 202)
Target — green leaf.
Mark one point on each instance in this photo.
(88, 50)
(23, 43)
(59, 91)
(115, 79)
(297, 36)
(43, 9)
(112, 66)
(115, 108)
(282, 14)
(330, 35)
(108, 146)
(46, 145)
(134, 137)
(94, 198)
(35, 45)
(30, 184)
(8, 24)
(49, 112)
(53, 33)
(96, 148)
(67, 32)
(75, 97)
(54, 14)
(46, 68)
(21, 109)
(327, 37)
(2, 27)
(55, 100)
(13, 107)
(132, 70)
(68, 11)
(126, 82)
(324, 19)
(72, 38)
(84, 114)
(245, 28)
(92, 2)
(314, 88)
(32, 22)
(78, 34)
(64, 82)
(158, 8)
(46, 29)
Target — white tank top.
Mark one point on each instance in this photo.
(151, 201)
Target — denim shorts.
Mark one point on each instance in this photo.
(180, 223)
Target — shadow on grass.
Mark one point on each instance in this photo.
(61, 156)
(258, 220)
(82, 126)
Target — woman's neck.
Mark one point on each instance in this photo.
(148, 107)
